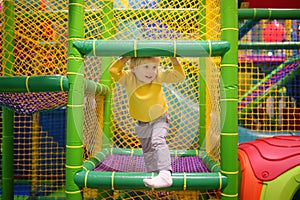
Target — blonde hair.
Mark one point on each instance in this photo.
(136, 61)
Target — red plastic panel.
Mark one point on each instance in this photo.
(250, 187)
(270, 157)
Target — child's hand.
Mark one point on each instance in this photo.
(175, 61)
(124, 59)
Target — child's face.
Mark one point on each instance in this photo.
(147, 71)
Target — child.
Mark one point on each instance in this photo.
(147, 105)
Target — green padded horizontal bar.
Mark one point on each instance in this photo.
(255, 13)
(134, 180)
(49, 83)
(91, 87)
(143, 48)
(269, 45)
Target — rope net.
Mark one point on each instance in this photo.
(268, 78)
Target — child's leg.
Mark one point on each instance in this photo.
(144, 133)
(162, 155)
(160, 147)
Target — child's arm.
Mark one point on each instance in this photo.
(178, 68)
(175, 61)
(124, 59)
(116, 69)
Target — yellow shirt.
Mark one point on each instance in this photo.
(146, 100)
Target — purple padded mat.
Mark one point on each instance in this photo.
(31, 102)
(126, 163)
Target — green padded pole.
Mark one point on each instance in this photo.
(140, 48)
(75, 106)
(134, 180)
(229, 99)
(269, 45)
(91, 87)
(8, 115)
(46, 84)
(7, 154)
(8, 38)
(202, 80)
(35, 151)
(33, 84)
(108, 33)
(255, 13)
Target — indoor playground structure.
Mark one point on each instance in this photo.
(234, 121)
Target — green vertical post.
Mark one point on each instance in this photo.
(109, 30)
(202, 81)
(75, 106)
(228, 99)
(34, 154)
(8, 115)
(7, 154)
(108, 33)
(8, 37)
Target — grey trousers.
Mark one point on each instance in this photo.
(152, 136)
